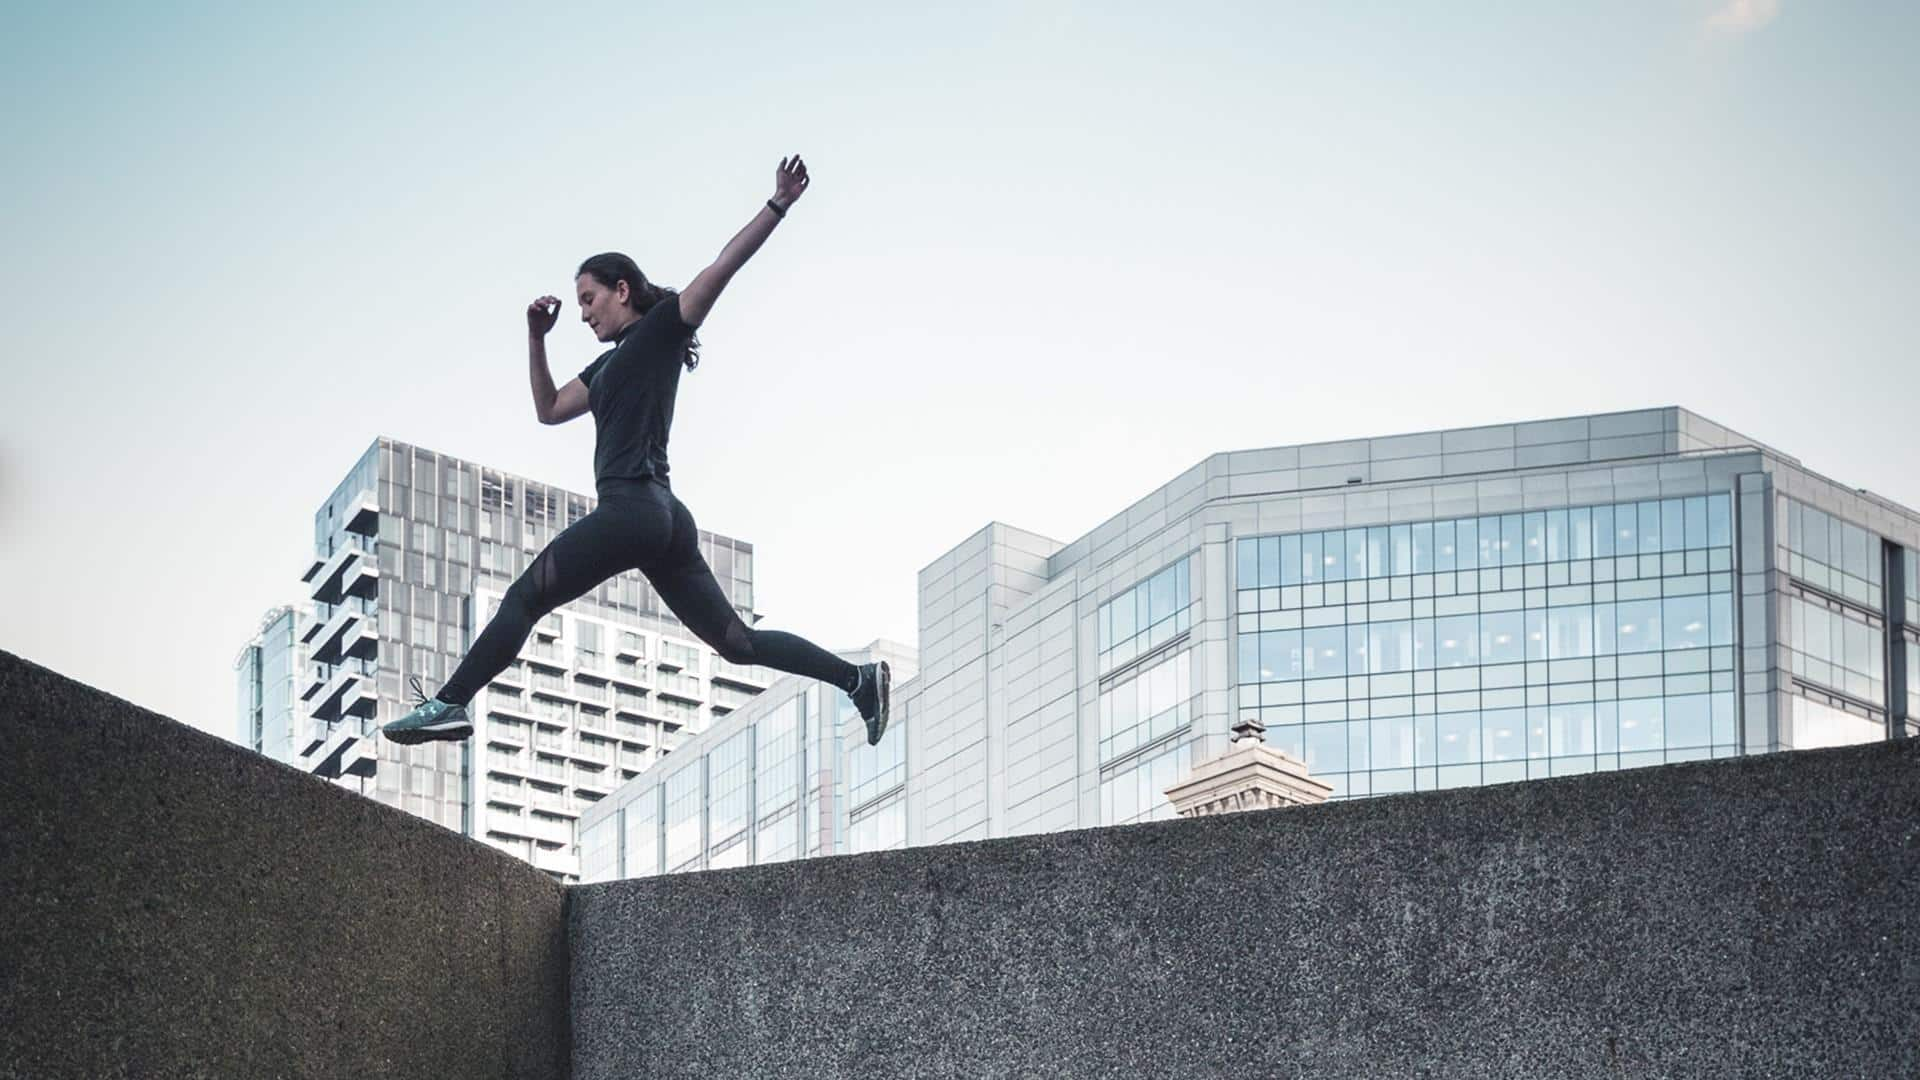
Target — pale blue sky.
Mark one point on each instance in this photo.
(1053, 255)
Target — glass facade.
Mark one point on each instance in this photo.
(1492, 648)
(1837, 646)
(1146, 706)
(1426, 654)
(780, 768)
(788, 778)
(1145, 617)
(267, 688)
(1137, 792)
(1837, 556)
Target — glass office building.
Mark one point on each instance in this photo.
(413, 552)
(270, 720)
(1404, 613)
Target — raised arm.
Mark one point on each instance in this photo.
(540, 317)
(789, 183)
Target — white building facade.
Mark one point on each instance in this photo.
(1404, 613)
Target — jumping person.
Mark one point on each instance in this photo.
(639, 524)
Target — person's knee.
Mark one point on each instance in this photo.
(735, 646)
(525, 599)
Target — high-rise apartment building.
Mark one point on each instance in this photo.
(1404, 613)
(413, 551)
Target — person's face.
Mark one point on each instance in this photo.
(604, 310)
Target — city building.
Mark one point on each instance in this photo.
(1405, 613)
(413, 552)
(270, 719)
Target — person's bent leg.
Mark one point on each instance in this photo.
(697, 600)
(586, 553)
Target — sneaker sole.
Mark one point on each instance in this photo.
(444, 731)
(886, 701)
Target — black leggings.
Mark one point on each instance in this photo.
(637, 526)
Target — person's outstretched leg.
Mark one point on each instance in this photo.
(604, 543)
(687, 585)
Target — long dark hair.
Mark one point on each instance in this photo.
(611, 268)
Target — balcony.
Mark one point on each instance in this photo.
(332, 759)
(507, 733)
(347, 634)
(743, 676)
(553, 801)
(666, 689)
(506, 764)
(329, 578)
(362, 578)
(546, 655)
(555, 862)
(361, 758)
(312, 681)
(551, 830)
(507, 794)
(636, 650)
(347, 694)
(363, 514)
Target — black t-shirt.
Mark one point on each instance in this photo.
(630, 389)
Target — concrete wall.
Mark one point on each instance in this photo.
(172, 905)
(1751, 917)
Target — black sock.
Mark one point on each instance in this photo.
(855, 683)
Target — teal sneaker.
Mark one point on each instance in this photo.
(430, 719)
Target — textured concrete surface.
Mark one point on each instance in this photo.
(172, 905)
(1745, 918)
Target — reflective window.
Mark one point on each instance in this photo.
(730, 774)
(1151, 613)
(685, 790)
(1146, 706)
(1493, 648)
(1836, 646)
(873, 771)
(1834, 555)
(1812, 724)
(643, 834)
(881, 828)
(1137, 791)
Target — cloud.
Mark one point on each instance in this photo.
(1743, 16)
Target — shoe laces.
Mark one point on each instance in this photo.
(419, 694)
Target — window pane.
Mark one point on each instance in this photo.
(1639, 622)
(1422, 548)
(1673, 533)
(1697, 522)
(1685, 622)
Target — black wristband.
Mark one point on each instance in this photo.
(775, 207)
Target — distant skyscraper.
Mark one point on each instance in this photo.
(270, 719)
(413, 552)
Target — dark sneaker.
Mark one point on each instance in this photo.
(872, 696)
(430, 719)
